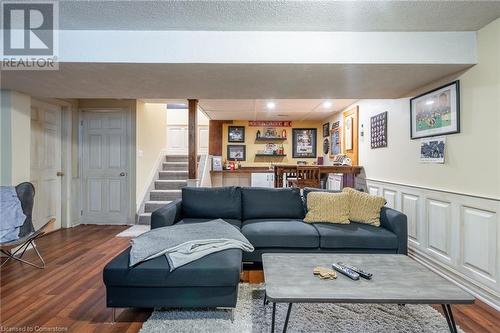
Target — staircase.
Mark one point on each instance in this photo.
(171, 178)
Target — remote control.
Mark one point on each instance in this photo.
(361, 273)
(346, 271)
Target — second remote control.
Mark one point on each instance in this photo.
(361, 273)
(346, 271)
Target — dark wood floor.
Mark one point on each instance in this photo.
(69, 292)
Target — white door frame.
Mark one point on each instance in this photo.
(130, 119)
(66, 166)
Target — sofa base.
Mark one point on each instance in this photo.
(182, 297)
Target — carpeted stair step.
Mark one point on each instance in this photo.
(164, 195)
(144, 218)
(169, 184)
(176, 158)
(151, 206)
(173, 175)
(175, 166)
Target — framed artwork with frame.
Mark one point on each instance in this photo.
(436, 112)
(326, 130)
(335, 142)
(236, 134)
(236, 152)
(378, 130)
(304, 142)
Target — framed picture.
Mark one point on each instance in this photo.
(236, 134)
(436, 112)
(335, 142)
(326, 130)
(217, 163)
(236, 152)
(348, 133)
(270, 132)
(304, 142)
(378, 130)
(432, 149)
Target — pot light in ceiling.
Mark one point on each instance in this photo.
(327, 104)
(271, 105)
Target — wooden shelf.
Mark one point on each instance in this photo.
(263, 139)
(270, 155)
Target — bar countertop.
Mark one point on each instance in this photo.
(245, 170)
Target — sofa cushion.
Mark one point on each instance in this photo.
(284, 233)
(234, 222)
(364, 207)
(215, 270)
(211, 202)
(327, 207)
(308, 190)
(355, 236)
(265, 203)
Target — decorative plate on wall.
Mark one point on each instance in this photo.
(326, 146)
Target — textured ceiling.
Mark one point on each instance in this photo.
(279, 15)
(226, 81)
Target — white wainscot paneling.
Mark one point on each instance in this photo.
(390, 197)
(410, 207)
(479, 243)
(373, 190)
(439, 229)
(454, 234)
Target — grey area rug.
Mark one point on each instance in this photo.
(251, 316)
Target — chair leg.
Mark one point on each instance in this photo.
(23, 247)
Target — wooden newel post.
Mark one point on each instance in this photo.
(192, 138)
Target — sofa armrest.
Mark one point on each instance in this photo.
(396, 222)
(167, 215)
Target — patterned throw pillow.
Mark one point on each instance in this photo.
(364, 207)
(327, 207)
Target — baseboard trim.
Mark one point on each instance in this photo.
(483, 294)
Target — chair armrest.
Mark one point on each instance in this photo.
(396, 222)
(167, 215)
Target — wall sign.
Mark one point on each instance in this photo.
(378, 130)
(270, 123)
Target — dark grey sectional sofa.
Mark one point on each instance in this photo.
(271, 219)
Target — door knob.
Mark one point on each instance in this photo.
(122, 174)
(59, 174)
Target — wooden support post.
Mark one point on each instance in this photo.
(192, 138)
(215, 137)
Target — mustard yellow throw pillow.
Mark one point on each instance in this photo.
(364, 207)
(327, 207)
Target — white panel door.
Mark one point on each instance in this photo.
(202, 140)
(105, 168)
(177, 140)
(46, 162)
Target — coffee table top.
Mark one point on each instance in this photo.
(396, 279)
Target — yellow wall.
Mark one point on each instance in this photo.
(151, 142)
(252, 147)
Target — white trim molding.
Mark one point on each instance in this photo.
(454, 234)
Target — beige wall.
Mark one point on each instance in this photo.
(472, 161)
(15, 137)
(151, 140)
(180, 117)
(252, 147)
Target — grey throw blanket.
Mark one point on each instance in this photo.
(11, 214)
(184, 243)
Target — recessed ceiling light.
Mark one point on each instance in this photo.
(327, 104)
(271, 105)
